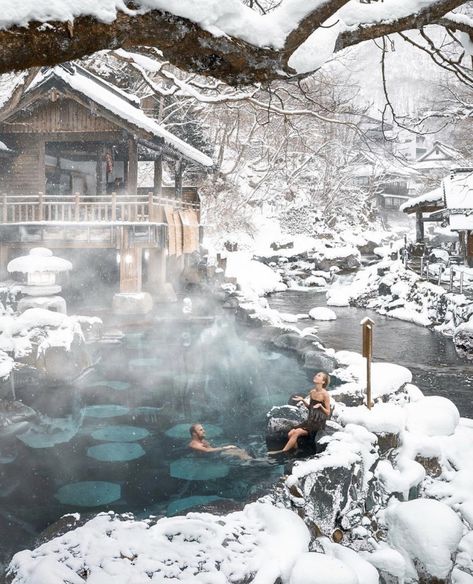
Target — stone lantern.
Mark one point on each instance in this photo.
(41, 290)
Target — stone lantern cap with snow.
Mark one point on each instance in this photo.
(41, 267)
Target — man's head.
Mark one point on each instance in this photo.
(197, 431)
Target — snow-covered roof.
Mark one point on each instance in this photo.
(118, 103)
(435, 198)
(458, 189)
(440, 152)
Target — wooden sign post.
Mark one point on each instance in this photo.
(367, 327)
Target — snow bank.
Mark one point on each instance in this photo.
(254, 278)
(329, 570)
(426, 531)
(433, 416)
(382, 418)
(261, 540)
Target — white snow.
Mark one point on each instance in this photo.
(383, 418)
(322, 313)
(427, 531)
(433, 416)
(254, 278)
(329, 570)
(39, 259)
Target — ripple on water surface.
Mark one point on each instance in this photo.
(116, 451)
(194, 469)
(88, 493)
(111, 384)
(120, 433)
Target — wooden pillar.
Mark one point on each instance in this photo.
(130, 262)
(419, 227)
(158, 176)
(132, 175)
(3, 262)
(130, 269)
(156, 269)
(101, 174)
(178, 180)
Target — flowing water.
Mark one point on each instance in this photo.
(431, 357)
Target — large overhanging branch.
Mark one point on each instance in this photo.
(188, 46)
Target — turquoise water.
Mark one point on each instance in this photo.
(120, 442)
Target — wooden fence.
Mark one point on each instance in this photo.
(84, 208)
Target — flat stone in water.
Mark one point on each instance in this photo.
(193, 469)
(105, 411)
(182, 431)
(116, 451)
(88, 493)
(112, 384)
(7, 457)
(120, 433)
(179, 505)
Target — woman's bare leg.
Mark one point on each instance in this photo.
(294, 435)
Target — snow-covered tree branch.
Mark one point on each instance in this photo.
(224, 39)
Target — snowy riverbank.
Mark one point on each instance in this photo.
(395, 481)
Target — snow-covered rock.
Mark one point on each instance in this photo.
(432, 416)
(322, 313)
(427, 534)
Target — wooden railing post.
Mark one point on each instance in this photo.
(76, 206)
(40, 206)
(5, 208)
(150, 206)
(114, 206)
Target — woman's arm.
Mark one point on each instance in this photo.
(325, 407)
(299, 398)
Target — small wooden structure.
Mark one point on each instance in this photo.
(424, 208)
(71, 146)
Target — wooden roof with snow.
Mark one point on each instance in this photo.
(458, 193)
(107, 101)
(426, 203)
(439, 156)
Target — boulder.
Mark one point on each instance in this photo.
(132, 303)
(315, 360)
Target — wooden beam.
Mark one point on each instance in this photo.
(130, 269)
(178, 179)
(419, 227)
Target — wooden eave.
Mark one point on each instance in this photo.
(425, 208)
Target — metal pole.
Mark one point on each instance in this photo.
(421, 266)
(461, 282)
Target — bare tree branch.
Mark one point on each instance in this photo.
(191, 48)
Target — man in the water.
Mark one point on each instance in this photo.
(199, 443)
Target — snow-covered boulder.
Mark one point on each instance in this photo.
(328, 570)
(427, 533)
(339, 296)
(432, 416)
(463, 337)
(345, 258)
(322, 313)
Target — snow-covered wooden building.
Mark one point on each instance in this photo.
(451, 204)
(70, 147)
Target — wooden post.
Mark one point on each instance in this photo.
(178, 180)
(150, 207)
(76, 207)
(367, 325)
(419, 227)
(158, 176)
(3, 262)
(40, 206)
(132, 184)
(452, 273)
(114, 206)
(461, 282)
(5, 208)
(130, 269)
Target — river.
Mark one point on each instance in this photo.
(436, 367)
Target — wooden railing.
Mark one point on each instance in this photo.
(112, 207)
